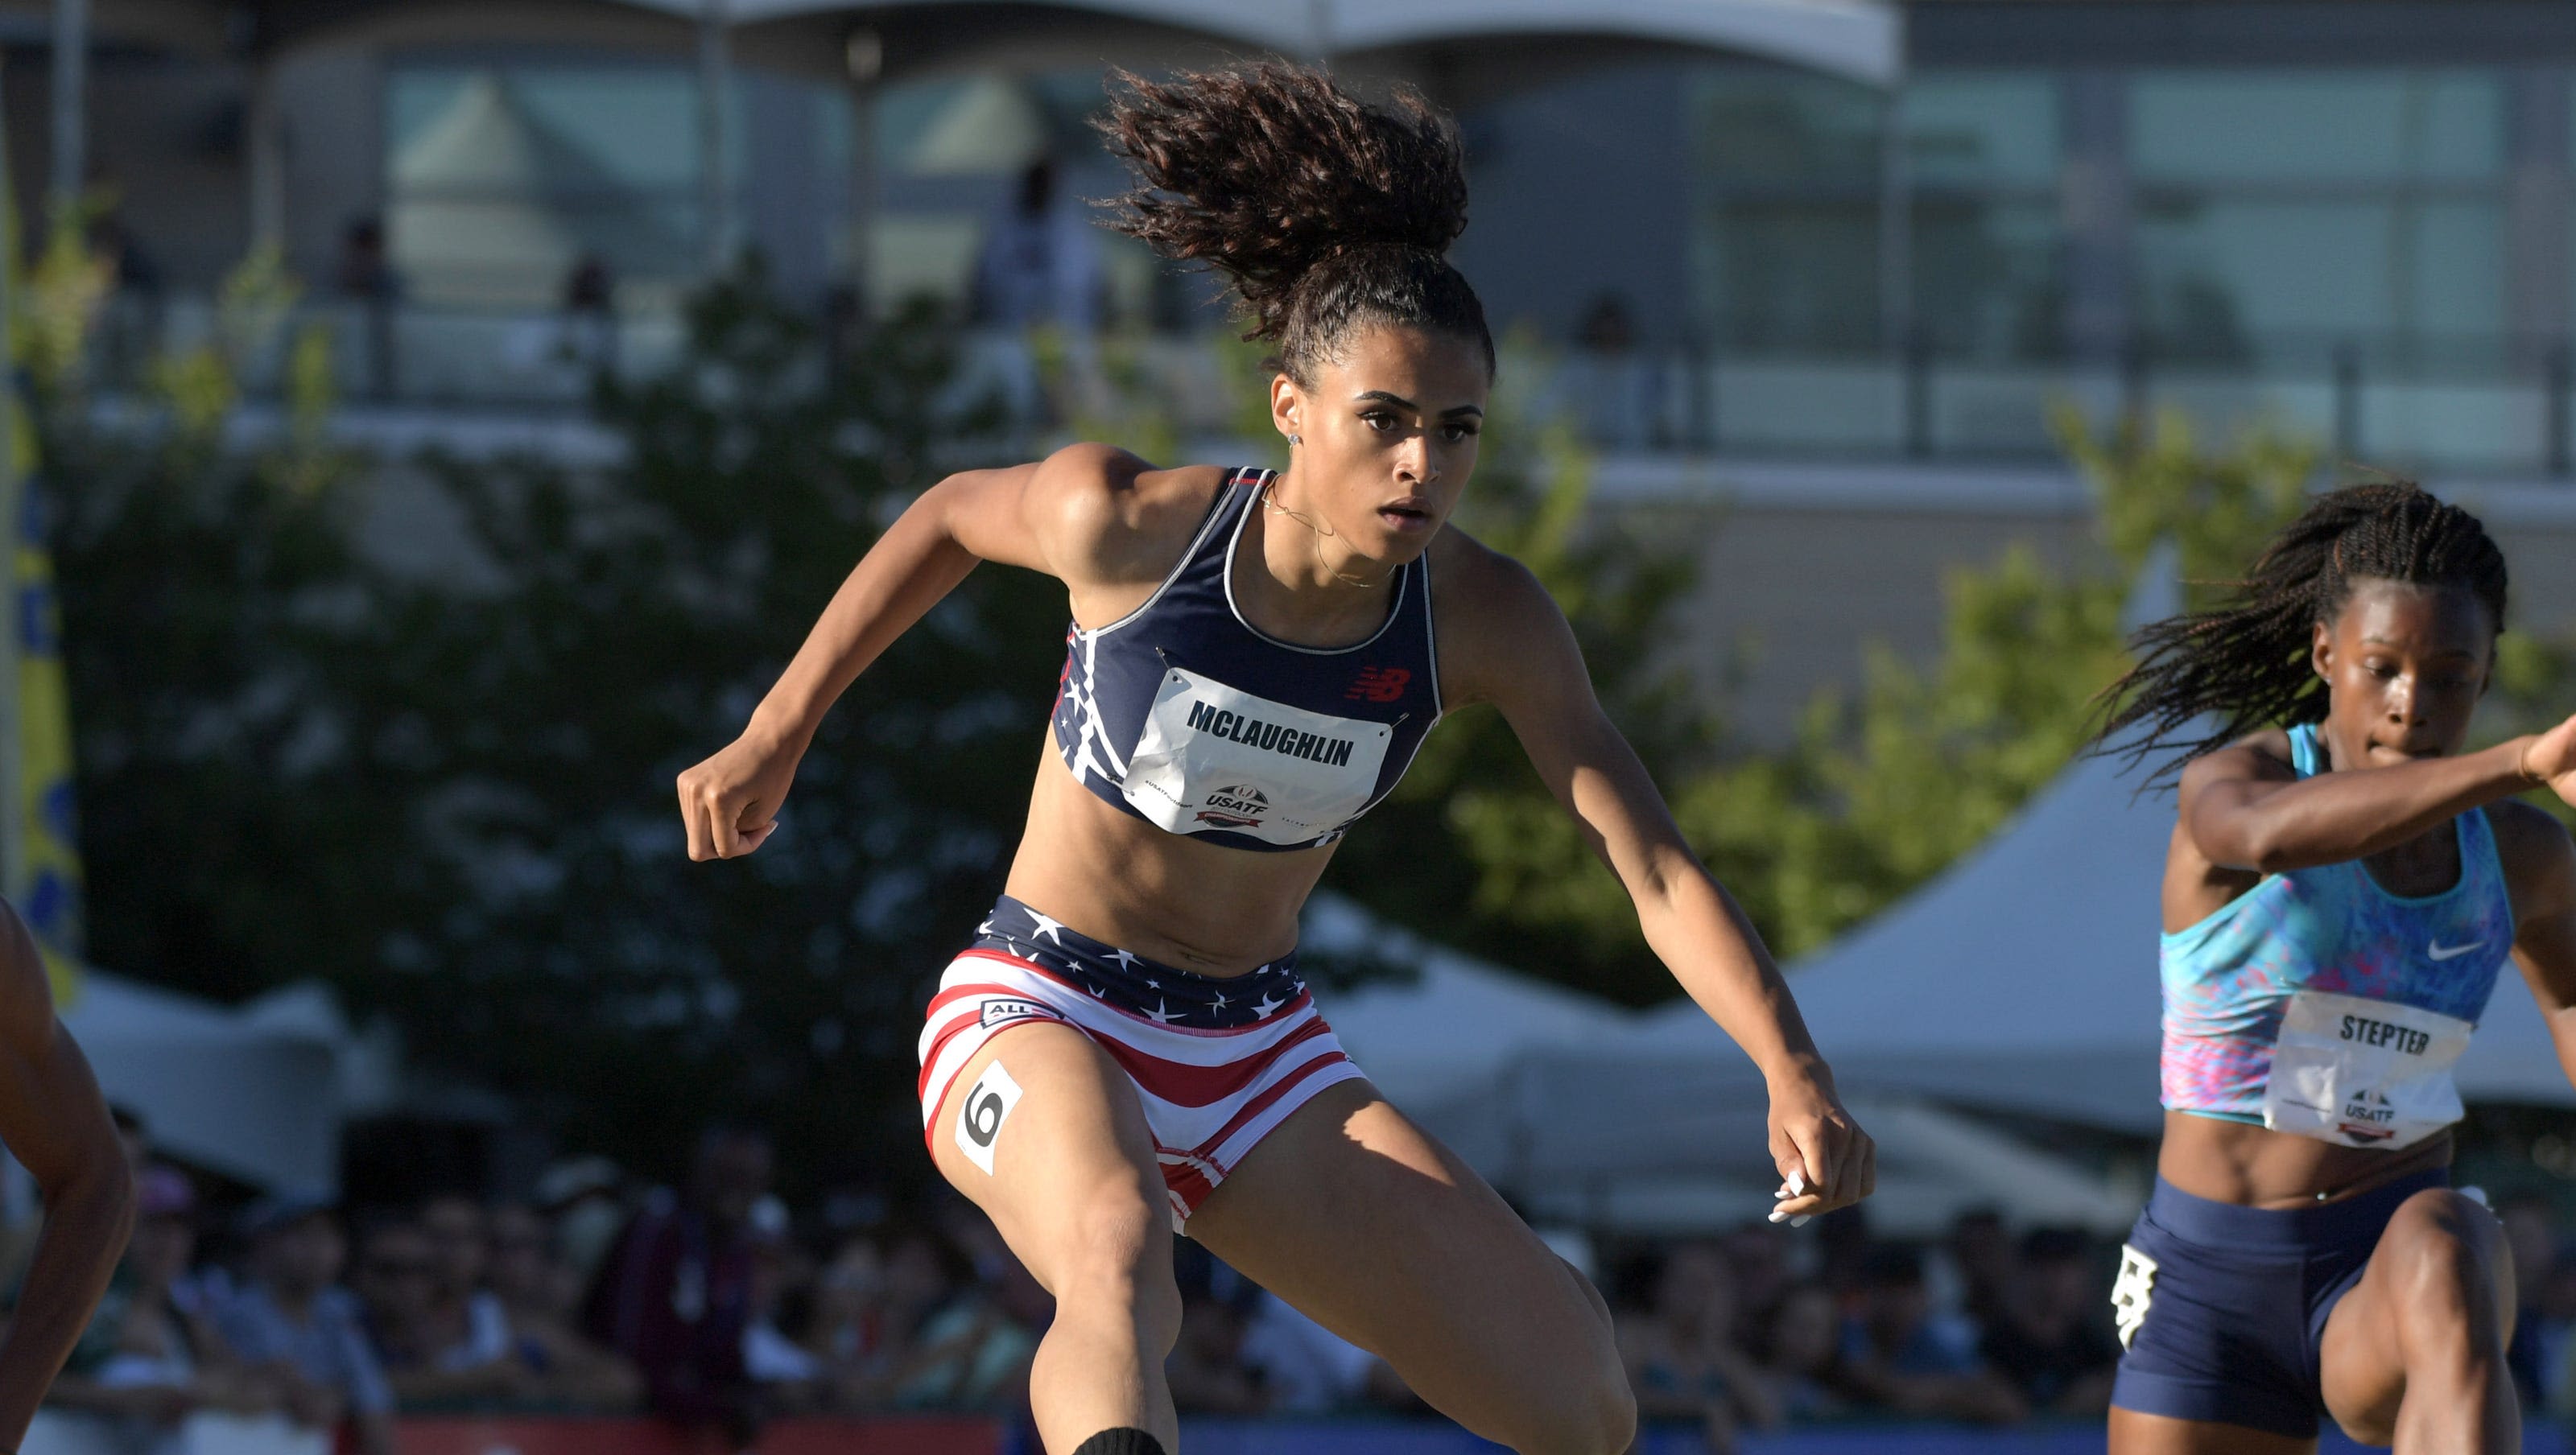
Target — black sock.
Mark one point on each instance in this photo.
(1124, 1441)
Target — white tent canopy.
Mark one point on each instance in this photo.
(253, 1093)
(2023, 979)
(1538, 1087)
(1458, 1023)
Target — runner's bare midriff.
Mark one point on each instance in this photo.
(2251, 1166)
(1125, 882)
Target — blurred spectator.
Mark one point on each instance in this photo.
(294, 1322)
(1040, 287)
(916, 1276)
(366, 276)
(2046, 1342)
(535, 1297)
(675, 1295)
(1897, 1355)
(845, 1330)
(590, 312)
(1683, 1359)
(366, 270)
(1798, 1358)
(1608, 387)
(1980, 1255)
(1758, 1254)
(438, 1349)
(974, 1354)
(584, 1200)
(1208, 1369)
(2531, 1236)
(151, 1356)
(1040, 263)
(782, 1290)
(1308, 1368)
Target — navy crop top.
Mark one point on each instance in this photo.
(1183, 715)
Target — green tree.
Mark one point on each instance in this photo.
(624, 623)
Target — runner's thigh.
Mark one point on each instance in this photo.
(2441, 1250)
(1375, 1230)
(1073, 1161)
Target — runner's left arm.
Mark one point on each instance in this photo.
(56, 1125)
(2540, 864)
(1516, 651)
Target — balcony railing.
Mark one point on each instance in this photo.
(2438, 406)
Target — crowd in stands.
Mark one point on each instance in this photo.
(711, 1303)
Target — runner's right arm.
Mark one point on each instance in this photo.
(2246, 810)
(1061, 515)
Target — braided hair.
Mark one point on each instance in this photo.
(1324, 214)
(2206, 678)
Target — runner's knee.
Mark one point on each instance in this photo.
(2447, 1268)
(1586, 1415)
(1115, 1252)
(1581, 1406)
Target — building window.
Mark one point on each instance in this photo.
(1785, 252)
(2290, 217)
(504, 179)
(1983, 155)
(1788, 254)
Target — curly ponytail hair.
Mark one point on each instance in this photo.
(2204, 679)
(1323, 213)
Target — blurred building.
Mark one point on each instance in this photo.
(1770, 276)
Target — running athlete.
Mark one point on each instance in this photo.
(2339, 897)
(1254, 660)
(57, 1126)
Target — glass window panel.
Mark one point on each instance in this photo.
(1991, 130)
(1988, 276)
(2231, 278)
(502, 178)
(1789, 276)
(2316, 126)
(1749, 126)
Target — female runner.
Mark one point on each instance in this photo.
(1254, 660)
(2338, 900)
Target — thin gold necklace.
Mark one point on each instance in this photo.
(1270, 502)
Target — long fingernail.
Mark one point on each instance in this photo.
(1800, 1220)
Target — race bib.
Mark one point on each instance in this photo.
(1212, 757)
(2363, 1073)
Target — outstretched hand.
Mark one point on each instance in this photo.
(730, 802)
(1826, 1161)
(2550, 758)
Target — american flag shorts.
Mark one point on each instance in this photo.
(1218, 1063)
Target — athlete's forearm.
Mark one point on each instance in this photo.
(2333, 817)
(87, 1218)
(1695, 927)
(916, 563)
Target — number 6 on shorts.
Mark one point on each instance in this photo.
(979, 1117)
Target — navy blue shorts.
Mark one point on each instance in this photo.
(2222, 1307)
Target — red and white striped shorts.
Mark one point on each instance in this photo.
(1217, 1063)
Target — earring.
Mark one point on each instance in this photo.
(1296, 439)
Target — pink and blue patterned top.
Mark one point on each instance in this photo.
(2330, 928)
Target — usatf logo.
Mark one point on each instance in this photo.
(1379, 684)
(1238, 807)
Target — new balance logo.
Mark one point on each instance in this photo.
(1379, 684)
(2132, 1293)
